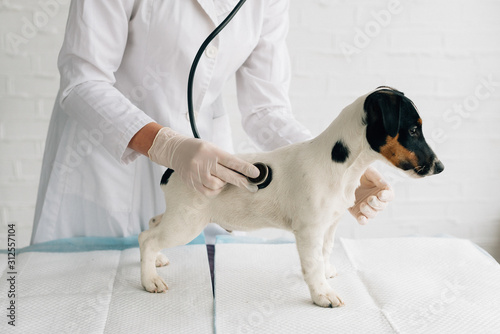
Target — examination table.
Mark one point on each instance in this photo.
(399, 285)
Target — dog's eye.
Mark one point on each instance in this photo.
(413, 131)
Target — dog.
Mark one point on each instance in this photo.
(311, 187)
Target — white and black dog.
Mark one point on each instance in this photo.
(309, 186)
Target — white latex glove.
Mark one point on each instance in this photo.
(200, 164)
(372, 196)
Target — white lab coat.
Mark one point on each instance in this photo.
(124, 64)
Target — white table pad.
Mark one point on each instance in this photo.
(407, 285)
(100, 292)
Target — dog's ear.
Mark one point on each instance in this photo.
(384, 105)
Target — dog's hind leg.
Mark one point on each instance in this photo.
(328, 242)
(149, 247)
(161, 259)
(153, 222)
(175, 229)
(310, 247)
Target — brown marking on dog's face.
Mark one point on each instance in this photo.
(397, 154)
(419, 121)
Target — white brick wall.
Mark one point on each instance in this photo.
(30, 37)
(438, 52)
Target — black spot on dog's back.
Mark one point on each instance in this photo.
(166, 176)
(340, 152)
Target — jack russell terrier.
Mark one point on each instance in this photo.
(308, 188)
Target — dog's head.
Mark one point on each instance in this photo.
(394, 129)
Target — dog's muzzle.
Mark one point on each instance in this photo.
(434, 168)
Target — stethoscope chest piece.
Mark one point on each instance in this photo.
(265, 177)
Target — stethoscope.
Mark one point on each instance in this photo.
(265, 175)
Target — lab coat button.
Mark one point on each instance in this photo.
(211, 51)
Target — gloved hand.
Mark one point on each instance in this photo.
(200, 164)
(372, 196)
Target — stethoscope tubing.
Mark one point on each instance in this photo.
(196, 60)
(265, 175)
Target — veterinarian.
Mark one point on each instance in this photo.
(124, 66)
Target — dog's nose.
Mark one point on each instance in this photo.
(438, 167)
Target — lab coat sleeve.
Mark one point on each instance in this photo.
(95, 39)
(263, 83)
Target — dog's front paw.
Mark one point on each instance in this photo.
(330, 271)
(161, 260)
(327, 298)
(156, 284)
